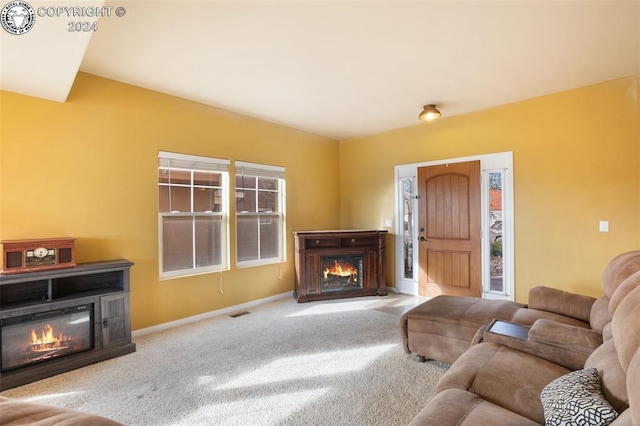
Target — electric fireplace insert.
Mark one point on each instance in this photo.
(342, 273)
(34, 338)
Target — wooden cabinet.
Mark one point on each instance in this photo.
(356, 255)
(101, 288)
(116, 322)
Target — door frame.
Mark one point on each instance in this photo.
(502, 161)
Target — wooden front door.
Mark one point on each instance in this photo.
(449, 229)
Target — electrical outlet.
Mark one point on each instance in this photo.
(388, 223)
(604, 226)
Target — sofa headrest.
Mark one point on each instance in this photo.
(619, 269)
(600, 316)
(626, 287)
(633, 378)
(626, 333)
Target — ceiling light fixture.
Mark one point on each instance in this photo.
(429, 113)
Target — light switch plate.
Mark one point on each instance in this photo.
(604, 226)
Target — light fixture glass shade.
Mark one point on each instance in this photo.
(429, 113)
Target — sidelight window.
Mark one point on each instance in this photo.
(407, 221)
(496, 201)
(192, 214)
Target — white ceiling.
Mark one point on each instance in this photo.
(335, 68)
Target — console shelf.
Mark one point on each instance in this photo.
(104, 286)
(361, 249)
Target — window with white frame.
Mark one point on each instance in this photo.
(192, 214)
(260, 214)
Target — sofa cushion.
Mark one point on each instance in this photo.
(633, 378)
(626, 332)
(607, 333)
(443, 328)
(561, 302)
(619, 269)
(18, 412)
(528, 316)
(576, 398)
(613, 380)
(463, 408)
(449, 311)
(600, 316)
(497, 374)
(626, 287)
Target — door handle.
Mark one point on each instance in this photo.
(423, 239)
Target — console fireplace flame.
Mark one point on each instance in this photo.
(342, 273)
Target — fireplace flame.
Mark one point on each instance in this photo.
(341, 269)
(47, 340)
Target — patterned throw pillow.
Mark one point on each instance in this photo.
(576, 399)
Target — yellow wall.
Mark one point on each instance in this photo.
(576, 161)
(87, 168)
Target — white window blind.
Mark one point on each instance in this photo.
(192, 162)
(262, 170)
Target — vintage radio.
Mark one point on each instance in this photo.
(37, 255)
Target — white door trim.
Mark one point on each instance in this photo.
(489, 162)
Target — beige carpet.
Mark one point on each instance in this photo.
(319, 363)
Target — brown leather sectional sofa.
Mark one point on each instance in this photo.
(570, 358)
(17, 412)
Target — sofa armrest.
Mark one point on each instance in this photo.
(567, 337)
(562, 344)
(561, 302)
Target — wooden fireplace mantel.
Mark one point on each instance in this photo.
(312, 246)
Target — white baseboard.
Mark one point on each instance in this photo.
(224, 311)
(407, 287)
